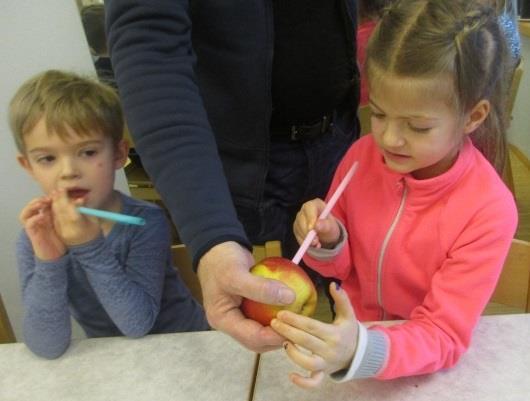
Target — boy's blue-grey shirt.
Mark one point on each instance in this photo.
(122, 284)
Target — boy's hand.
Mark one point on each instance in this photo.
(320, 348)
(73, 227)
(37, 220)
(328, 230)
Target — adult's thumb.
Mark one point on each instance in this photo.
(266, 291)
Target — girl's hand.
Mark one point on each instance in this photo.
(328, 230)
(320, 348)
(73, 227)
(37, 220)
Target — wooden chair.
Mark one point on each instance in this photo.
(514, 86)
(507, 174)
(365, 115)
(182, 260)
(269, 249)
(512, 294)
(6, 331)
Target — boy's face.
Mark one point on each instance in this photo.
(83, 166)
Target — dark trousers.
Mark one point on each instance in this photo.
(298, 171)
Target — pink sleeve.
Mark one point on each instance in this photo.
(340, 265)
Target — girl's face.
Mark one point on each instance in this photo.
(416, 129)
(83, 166)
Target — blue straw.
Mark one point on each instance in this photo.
(117, 217)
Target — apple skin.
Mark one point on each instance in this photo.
(293, 276)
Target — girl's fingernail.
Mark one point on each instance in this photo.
(337, 286)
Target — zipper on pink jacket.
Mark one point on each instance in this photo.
(383, 250)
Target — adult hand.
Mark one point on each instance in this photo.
(225, 278)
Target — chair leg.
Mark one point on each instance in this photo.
(6, 331)
(507, 173)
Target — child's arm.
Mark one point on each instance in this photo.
(130, 292)
(327, 348)
(47, 327)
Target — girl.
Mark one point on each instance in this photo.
(422, 230)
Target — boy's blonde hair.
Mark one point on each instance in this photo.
(458, 39)
(65, 99)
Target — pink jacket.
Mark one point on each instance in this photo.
(427, 251)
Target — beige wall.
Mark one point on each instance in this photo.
(519, 133)
(36, 35)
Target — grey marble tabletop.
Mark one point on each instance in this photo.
(495, 368)
(207, 366)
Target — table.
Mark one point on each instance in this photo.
(211, 366)
(496, 367)
(197, 366)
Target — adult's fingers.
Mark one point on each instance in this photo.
(263, 290)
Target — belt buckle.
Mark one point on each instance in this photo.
(300, 132)
(295, 133)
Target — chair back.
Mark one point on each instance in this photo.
(269, 249)
(365, 115)
(183, 262)
(6, 331)
(507, 173)
(512, 293)
(514, 86)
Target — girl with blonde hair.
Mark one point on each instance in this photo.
(421, 232)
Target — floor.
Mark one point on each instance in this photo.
(521, 178)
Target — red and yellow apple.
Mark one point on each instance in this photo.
(294, 277)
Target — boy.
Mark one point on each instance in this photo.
(113, 279)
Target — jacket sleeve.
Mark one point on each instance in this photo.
(153, 60)
(47, 326)
(439, 330)
(337, 262)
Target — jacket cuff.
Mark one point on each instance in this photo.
(219, 240)
(325, 254)
(370, 356)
